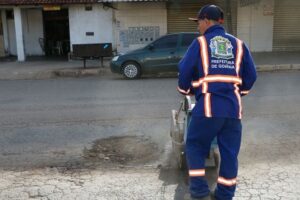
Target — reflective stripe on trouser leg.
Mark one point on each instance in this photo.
(196, 172)
(226, 182)
(200, 134)
(229, 141)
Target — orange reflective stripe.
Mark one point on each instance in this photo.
(217, 78)
(227, 182)
(207, 102)
(183, 91)
(207, 105)
(205, 65)
(197, 172)
(238, 96)
(204, 87)
(239, 56)
(198, 83)
(236, 80)
(245, 92)
(204, 54)
(223, 78)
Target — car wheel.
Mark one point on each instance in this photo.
(131, 70)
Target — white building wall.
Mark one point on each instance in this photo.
(19, 33)
(33, 30)
(139, 23)
(255, 25)
(98, 20)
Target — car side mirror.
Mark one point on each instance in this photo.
(151, 47)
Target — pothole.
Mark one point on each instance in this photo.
(123, 150)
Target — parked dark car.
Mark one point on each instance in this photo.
(160, 56)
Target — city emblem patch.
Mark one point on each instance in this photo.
(221, 48)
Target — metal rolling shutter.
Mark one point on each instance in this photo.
(286, 29)
(178, 13)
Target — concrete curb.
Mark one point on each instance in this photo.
(40, 75)
(80, 72)
(56, 73)
(85, 72)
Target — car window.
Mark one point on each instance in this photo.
(169, 41)
(187, 39)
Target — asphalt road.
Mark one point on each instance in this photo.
(50, 123)
(41, 119)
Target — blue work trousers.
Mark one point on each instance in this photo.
(201, 132)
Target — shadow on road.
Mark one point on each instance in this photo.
(172, 175)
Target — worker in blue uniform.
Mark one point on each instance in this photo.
(218, 69)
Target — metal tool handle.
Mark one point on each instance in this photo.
(185, 105)
(178, 112)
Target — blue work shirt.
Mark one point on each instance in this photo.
(218, 69)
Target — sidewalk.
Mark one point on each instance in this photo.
(274, 61)
(45, 68)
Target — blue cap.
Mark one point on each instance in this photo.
(211, 12)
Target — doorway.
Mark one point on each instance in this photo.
(1, 38)
(56, 33)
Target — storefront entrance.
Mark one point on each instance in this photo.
(1, 38)
(56, 33)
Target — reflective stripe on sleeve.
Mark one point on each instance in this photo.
(227, 182)
(239, 56)
(183, 91)
(196, 172)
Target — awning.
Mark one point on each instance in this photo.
(38, 2)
